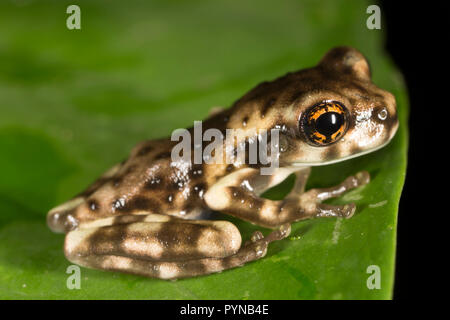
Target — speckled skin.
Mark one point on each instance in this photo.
(139, 217)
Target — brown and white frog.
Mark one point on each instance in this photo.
(144, 215)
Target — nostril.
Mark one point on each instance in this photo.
(61, 221)
(71, 223)
(382, 114)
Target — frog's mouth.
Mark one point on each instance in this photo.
(324, 163)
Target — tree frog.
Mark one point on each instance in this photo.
(145, 215)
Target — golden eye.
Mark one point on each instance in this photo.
(325, 123)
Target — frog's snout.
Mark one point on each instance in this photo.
(388, 114)
(61, 219)
(61, 222)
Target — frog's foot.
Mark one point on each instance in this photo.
(326, 210)
(166, 250)
(257, 237)
(352, 182)
(306, 205)
(256, 247)
(314, 197)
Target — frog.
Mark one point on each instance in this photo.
(148, 215)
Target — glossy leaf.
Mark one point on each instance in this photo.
(74, 102)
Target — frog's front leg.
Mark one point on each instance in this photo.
(238, 198)
(164, 247)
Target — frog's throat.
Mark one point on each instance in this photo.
(324, 163)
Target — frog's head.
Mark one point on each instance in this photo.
(334, 112)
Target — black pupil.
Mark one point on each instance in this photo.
(328, 123)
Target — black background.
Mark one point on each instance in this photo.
(417, 35)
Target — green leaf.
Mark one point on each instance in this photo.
(74, 102)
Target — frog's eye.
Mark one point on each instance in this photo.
(324, 123)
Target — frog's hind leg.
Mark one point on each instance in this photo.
(165, 247)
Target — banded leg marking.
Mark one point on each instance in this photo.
(166, 250)
(247, 205)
